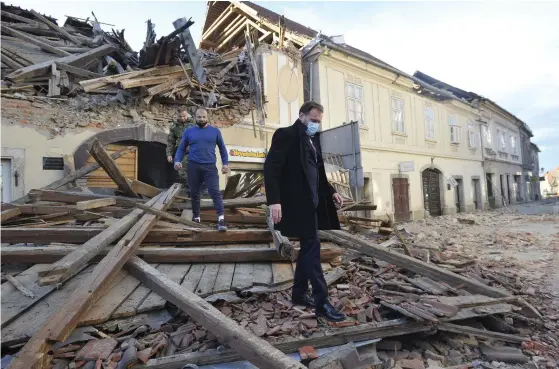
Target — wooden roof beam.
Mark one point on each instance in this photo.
(218, 22)
(233, 34)
(240, 22)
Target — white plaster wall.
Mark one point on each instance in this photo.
(35, 145)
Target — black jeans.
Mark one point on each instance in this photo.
(197, 175)
(309, 269)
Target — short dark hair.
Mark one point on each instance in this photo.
(200, 108)
(183, 109)
(310, 105)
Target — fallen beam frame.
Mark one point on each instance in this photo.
(78, 174)
(410, 263)
(461, 329)
(185, 237)
(35, 353)
(254, 349)
(104, 159)
(333, 337)
(240, 254)
(82, 255)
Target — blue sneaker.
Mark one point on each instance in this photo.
(221, 225)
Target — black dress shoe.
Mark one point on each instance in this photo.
(329, 312)
(305, 300)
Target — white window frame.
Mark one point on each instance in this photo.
(429, 114)
(513, 145)
(355, 100)
(486, 131)
(502, 142)
(398, 122)
(472, 136)
(454, 129)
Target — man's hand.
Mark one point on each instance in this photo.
(338, 200)
(275, 211)
(178, 165)
(170, 159)
(224, 169)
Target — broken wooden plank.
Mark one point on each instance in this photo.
(33, 40)
(76, 71)
(207, 282)
(86, 170)
(40, 69)
(410, 263)
(262, 274)
(185, 237)
(243, 276)
(75, 197)
(10, 213)
(148, 81)
(62, 323)
(192, 278)
(13, 305)
(462, 329)
(190, 47)
(168, 216)
(82, 255)
(56, 28)
(30, 322)
(121, 287)
(175, 273)
(112, 169)
(129, 307)
(228, 332)
(224, 278)
(281, 272)
(21, 288)
(144, 189)
(283, 246)
(225, 254)
(94, 204)
(329, 338)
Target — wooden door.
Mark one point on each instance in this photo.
(401, 199)
(128, 164)
(432, 192)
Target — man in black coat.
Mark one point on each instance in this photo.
(301, 202)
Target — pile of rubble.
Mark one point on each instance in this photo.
(436, 309)
(40, 56)
(80, 76)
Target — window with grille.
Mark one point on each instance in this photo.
(355, 103)
(454, 129)
(398, 115)
(429, 123)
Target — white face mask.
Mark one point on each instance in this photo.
(312, 128)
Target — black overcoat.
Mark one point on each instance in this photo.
(286, 181)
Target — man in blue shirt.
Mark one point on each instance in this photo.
(202, 140)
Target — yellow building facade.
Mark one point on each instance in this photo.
(420, 155)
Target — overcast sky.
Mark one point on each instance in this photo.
(508, 52)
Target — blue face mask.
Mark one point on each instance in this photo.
(312, 128)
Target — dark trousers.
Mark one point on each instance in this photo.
(309, 269)
(197, 175)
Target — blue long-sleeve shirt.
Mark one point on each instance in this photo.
(202, 142)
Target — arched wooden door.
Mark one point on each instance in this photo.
(432, 191)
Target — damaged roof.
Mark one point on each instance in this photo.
(274, 17)
(216, 8)
(470, 97)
